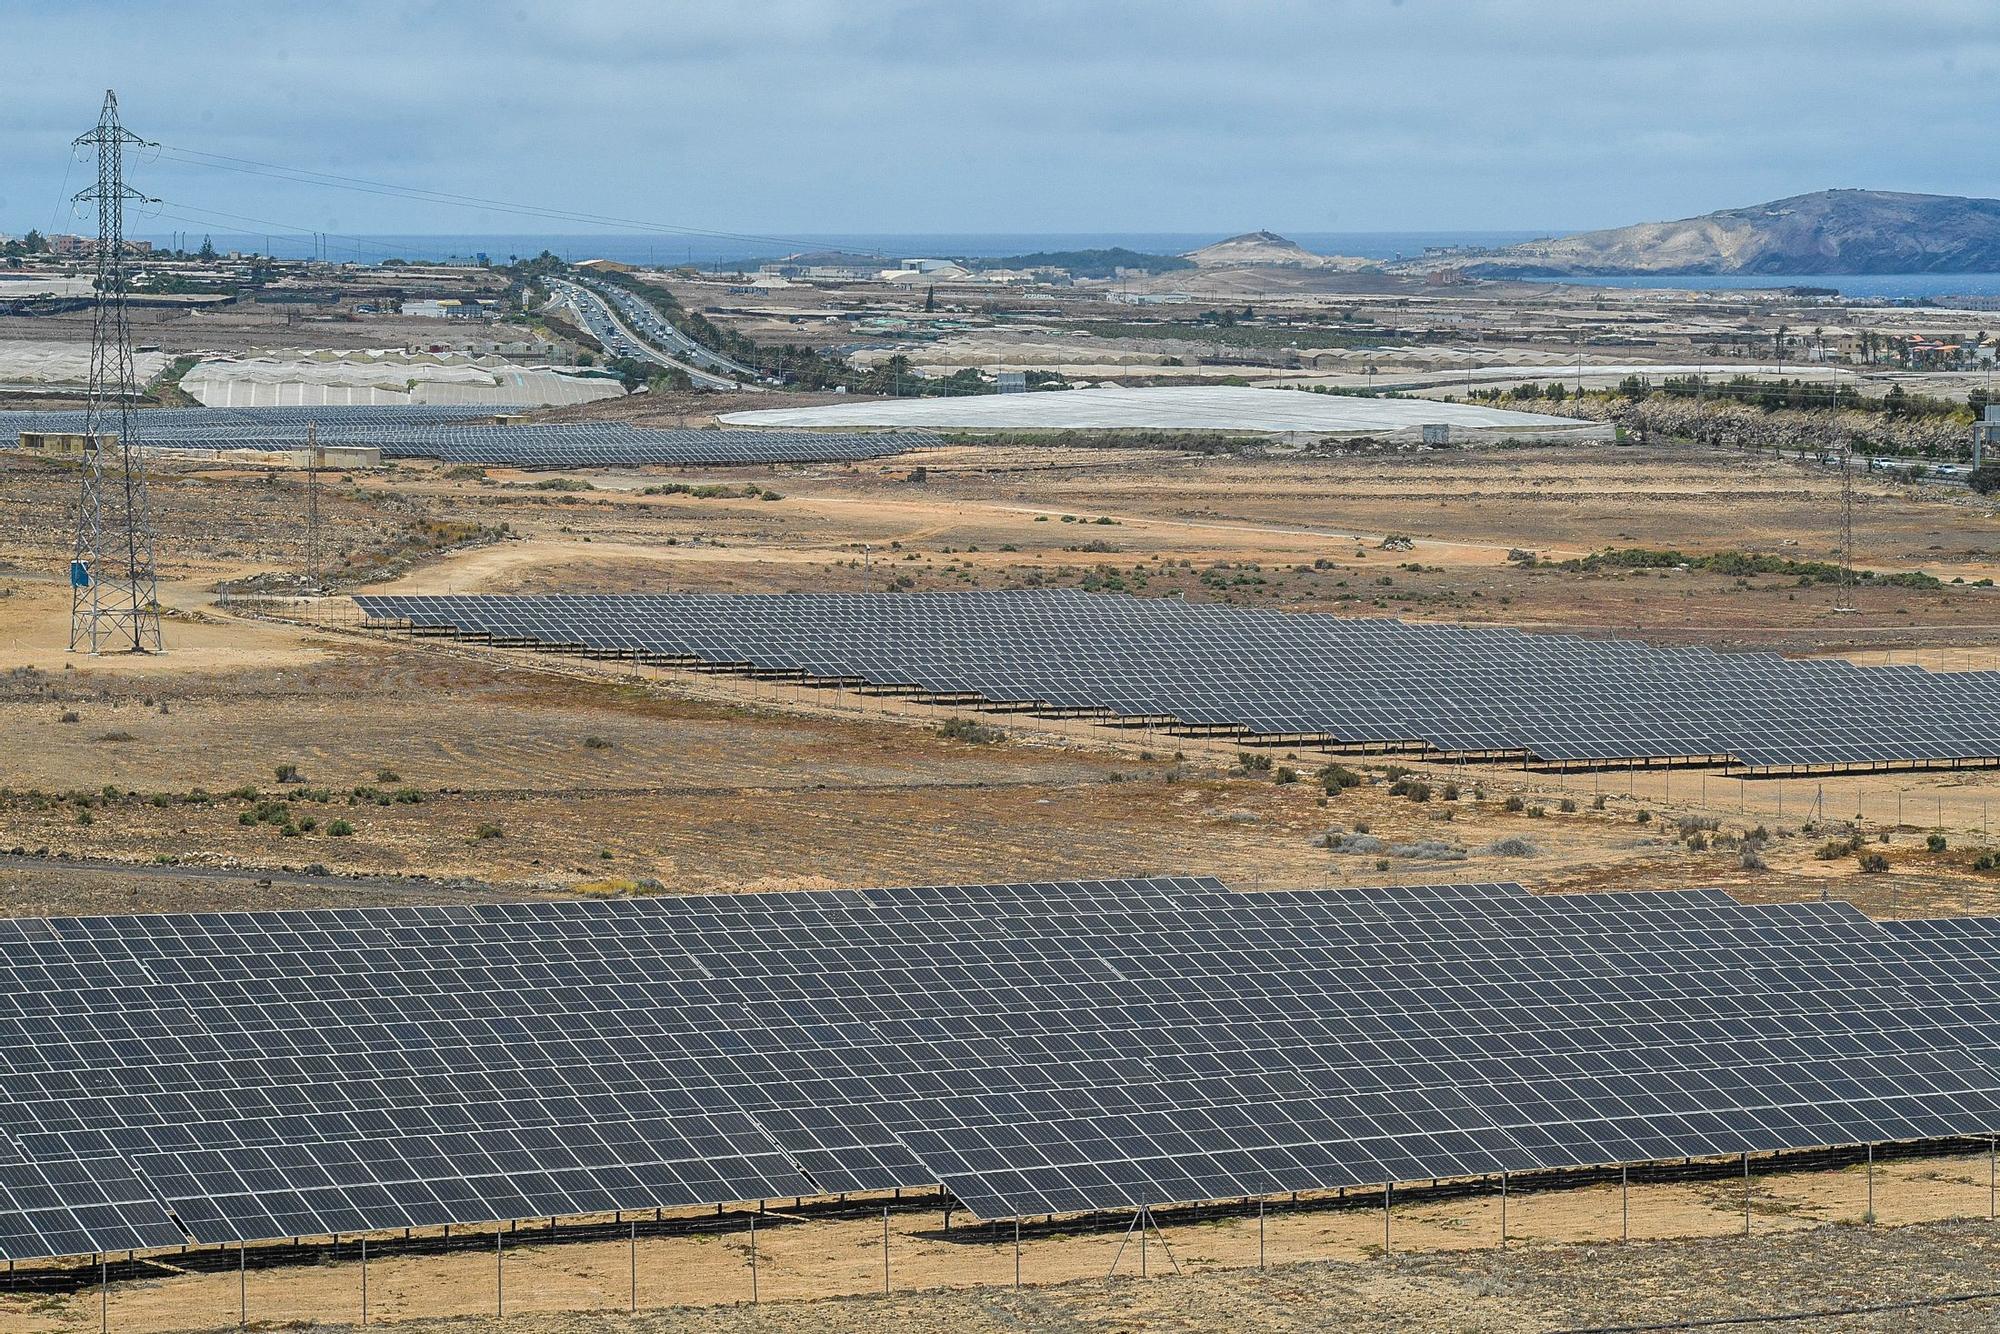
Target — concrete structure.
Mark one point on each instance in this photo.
(1178, 408)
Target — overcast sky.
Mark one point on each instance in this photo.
(794, 117)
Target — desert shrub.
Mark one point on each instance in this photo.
(387, 776)
(1252, 763)
(487, 829)
(1643, 817)
(71, 716)
(1353, 843)
(596, 743)
(1513, 847)
(1428, 850)
(1567, 806)
(1416, 789)
(1873, 863)
(1514, 803)
(340, 829)
(289, 773)
(1935, 843)
(1334, 777)
(1285, 774)
(965, 729)
(1449, 792)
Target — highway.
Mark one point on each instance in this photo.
(596, 315)
(637, 314)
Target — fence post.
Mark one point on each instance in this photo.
(364, 1282)
(242, 1288)
(1387, 1188)
(1503, 1211)
(1624, 1202)
(1017, 1252)
(635, 1265)
(885, 1250)
(499, 1279)
(103, 1295)
(1260, 1236)
(753, 1259)
(1870, 1220)
(1746, 1194)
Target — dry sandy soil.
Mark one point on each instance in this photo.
(132, 784)
(1808, 1250)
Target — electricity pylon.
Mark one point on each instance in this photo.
(114, 590)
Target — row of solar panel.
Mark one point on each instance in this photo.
(1327, 1039)
(451, 434)
(1455, 690)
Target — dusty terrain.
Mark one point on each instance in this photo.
(1810, 1248)
(216, 776)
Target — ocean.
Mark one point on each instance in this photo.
(727, 254)
(711, 252)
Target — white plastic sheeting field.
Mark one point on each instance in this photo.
(1173, 408)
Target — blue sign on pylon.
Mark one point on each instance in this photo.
(79, 574)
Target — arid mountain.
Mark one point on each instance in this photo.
(1831, 231)
(1258, 250)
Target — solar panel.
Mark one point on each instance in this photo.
(1035, 1048)
(1341, 683)
(452, 433)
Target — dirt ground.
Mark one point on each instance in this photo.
(274, 762)
(1443, 1268)
(536, 773)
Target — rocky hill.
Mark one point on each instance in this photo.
(1831, 231)
(1256, 250)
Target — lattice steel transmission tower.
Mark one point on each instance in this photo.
(114, 591)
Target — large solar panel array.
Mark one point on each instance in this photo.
(453, 434)
(1033, 1048)
(1347, 683)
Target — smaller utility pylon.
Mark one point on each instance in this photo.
(1844, 599)
(315, 581)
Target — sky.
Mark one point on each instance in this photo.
(811, 117)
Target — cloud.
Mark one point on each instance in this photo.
(811, 116)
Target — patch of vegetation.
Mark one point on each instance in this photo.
(966, 729)
(1744, 563)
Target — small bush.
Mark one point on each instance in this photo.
(1873, 863)
(1416, 789)
(289, 773)
(409, 796)
(1334, 777)
(71, 716)
(1935, 843)
(1643, 817)
(1285, 774)
(340, 829)
(965, 729)
(1513, 847)
(1428, 850)
(487, 829)
(1253, 763)
(1514, 804)
(387, 776)
(1449, 792)
(1597, 802)
(596, 743)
